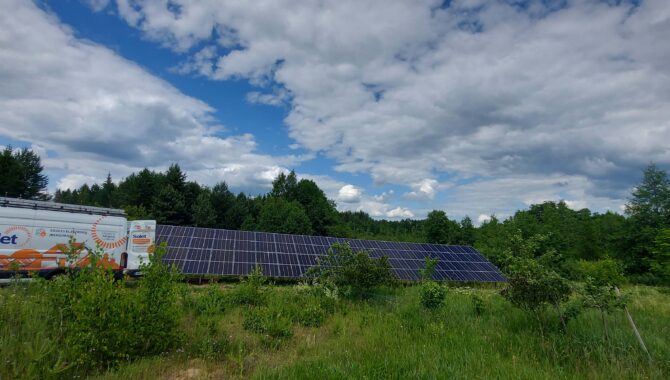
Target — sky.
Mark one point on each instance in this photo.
(394, 107)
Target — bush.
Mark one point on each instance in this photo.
(432, 295)
(356, 273)
(249, 290)
(531, 287)
(211, 302)
(429, 268)
(603, 272)
(207, 339)
(159, 310)
(87, 320)
(96, 314)
(267, 321)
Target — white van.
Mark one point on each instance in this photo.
(35, 234)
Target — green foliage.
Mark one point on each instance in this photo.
(649, 213)
(169, 206)
(532, 283)
(137, 213)
(603, 272)
(202, 210)
(650, 201)
(440, 229)
(279, 215)
(601, 296)
(432, 295)
(467, 232)
(22, 175)
(357, 273)
(531, 286)
(660, 261)
(207, 339)
(249, 291)
(269, 322)
(429, 268)
(299, 206)
(478, 304)
(212, 301)
(86, 320)
(158, 297)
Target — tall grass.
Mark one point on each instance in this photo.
(394, 336)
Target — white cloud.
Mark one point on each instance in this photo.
(89, 111)
(503, 196)
(352, 198)
(482, 218)
(274, 99)
(399, 212)
(405, 90)
(423, 190)
(349, 194)
(74, 181)
(96, 5)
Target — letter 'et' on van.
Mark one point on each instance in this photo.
(8, 239)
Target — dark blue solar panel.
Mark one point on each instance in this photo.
(198, 251)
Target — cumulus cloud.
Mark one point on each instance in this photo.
(352, 198)
(349, 194)
(91, 111)
(400, 212)
(74, 181)
(483, 219)
(408, 90)
(423, 190)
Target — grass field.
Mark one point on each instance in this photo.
(393, 336)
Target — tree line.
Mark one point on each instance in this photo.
(639, 240)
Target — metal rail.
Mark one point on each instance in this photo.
(62, 207)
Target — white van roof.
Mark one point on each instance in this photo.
(53, 206)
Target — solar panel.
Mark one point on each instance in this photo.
(206, 251)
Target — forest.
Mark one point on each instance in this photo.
(638, 241)
(576, 304)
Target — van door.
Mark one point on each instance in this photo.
(141, 242)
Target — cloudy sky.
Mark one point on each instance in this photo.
(394, 107)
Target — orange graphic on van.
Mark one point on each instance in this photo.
(105, 243)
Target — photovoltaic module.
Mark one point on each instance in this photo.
(207, 251)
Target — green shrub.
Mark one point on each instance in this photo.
(159, 310)
(432, 295)
(211, 302)
(356, 273)
(311, 315)
(269, 322)
(87, 320)
(207, 340)
(248, 292)
(532, 287)
(97, 315)
(429, 268)
(603, 272)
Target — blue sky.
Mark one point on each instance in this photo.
(476, 107)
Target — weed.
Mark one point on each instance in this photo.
(432, 295)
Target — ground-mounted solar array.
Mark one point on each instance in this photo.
(206, 251)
